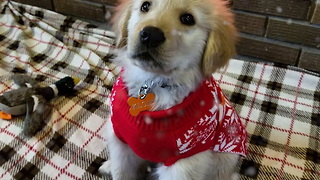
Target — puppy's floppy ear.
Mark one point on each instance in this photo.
(120, 22)
(220, 46)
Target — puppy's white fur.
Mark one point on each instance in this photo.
(187, 56)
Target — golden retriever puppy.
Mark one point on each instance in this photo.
(166, 106)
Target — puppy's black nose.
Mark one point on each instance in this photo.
(151, 36)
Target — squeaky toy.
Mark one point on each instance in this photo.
(32, 100)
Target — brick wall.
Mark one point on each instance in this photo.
(283, 31)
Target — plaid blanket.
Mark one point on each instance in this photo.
(279, 107)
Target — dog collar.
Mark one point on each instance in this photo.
(144, 100)
(148, 85)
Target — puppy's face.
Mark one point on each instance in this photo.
(162, 36)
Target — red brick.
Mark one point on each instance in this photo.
(47, 4)
(310, 59)
(294, 32)
(298, 9)
(316, 14)
(110, 2)
(265, 49)
(80, 8)
(250, 23)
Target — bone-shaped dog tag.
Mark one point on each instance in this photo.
(139, 104)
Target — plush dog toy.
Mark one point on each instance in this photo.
(32, 100)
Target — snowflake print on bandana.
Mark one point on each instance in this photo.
(221, 125)
(230, 136)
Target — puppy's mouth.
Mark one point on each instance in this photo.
(143, 56)
(150, 62)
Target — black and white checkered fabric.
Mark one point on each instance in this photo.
(279, 107)
(49, 46)
(281, 111)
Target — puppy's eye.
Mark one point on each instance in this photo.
(145, 7)
(187, 19)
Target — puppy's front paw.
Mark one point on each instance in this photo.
(105, 168)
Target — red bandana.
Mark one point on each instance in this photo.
(204, 120)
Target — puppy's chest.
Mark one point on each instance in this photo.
(183, 130)
(161, 95)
